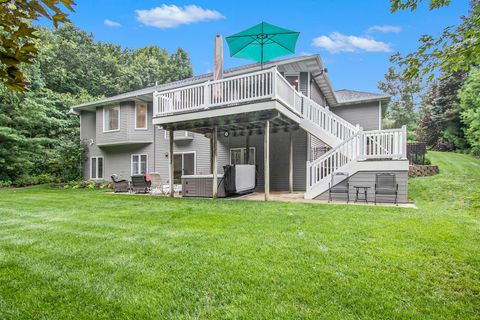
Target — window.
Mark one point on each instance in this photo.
(183, 164)
(238, 156)
(96, 168)
(141, 116)
(111, 118)
(139, 164)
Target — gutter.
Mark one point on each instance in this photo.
(353, 102)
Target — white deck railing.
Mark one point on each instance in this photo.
(247, 88)
(380, 144)
(377, 144)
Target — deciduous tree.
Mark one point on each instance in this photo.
(456, 49)
(18, 43)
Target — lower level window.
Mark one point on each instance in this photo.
(96, 168)
(239, 156)
(139, 164)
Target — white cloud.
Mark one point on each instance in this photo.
(171, 16)
(337, 42)
(111, 23)
(394, 29)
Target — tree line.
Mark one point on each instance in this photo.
(39, 139)
(443, 112)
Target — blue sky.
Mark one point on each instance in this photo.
(354, 38)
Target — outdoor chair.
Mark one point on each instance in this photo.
(119, 185)
(386, 184)
(156, 183)
(339, 184)
(140, 184)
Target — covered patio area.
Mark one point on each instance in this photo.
(243, 130)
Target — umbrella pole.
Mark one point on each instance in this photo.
(261, 59)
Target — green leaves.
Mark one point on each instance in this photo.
(405, 99)
(456, 50)
(470, 109)
(413, 4)
(17, 44)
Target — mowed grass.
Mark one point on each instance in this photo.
(82, 254)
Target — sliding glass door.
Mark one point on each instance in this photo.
(183, 164)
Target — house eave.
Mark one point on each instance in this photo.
(360, 101)
(146, 93)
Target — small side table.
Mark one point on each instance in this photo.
(365, 193)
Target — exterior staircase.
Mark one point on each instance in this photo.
(353, 149)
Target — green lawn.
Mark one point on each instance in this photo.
(83, 254)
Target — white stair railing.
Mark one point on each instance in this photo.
(342, 154)
(376, 144)
(287, 94)
(327, 120)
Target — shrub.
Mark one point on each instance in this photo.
(5, 183)
(88, 184)
(427, 161)
(27, 180)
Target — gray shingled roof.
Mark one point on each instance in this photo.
(342, 97)
(347, 96)
(190, 81)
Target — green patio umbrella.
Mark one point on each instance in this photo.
(262, 42)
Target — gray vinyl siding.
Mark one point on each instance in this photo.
(199, 144)
(88, 136)
(117, 158)
(303, 86)
(317, 95)
(279, 157)
(119, 136)
(365, 114)
(367, 178)
(127, 132)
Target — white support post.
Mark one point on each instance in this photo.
(290, 165)
(308, 176)
(266, 153)
(361, 144)
(403, 144)
(206, 95)
(274, 82)
(155, 103)
(214, 162)
(247, 148)
(170, 162)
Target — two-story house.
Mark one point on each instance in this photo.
(296, 128)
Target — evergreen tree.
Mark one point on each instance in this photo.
(445, 112)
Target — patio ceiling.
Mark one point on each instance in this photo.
(241, 124)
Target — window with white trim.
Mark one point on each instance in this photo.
(239, 156)
(140, 116)
(96, 168)
(139, 164)
(111, 118)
